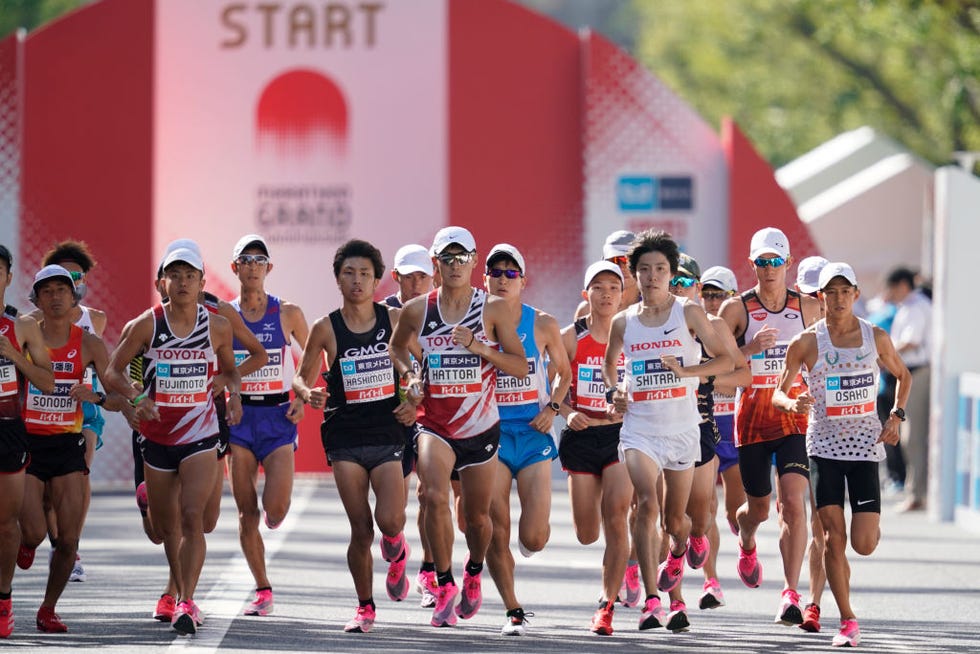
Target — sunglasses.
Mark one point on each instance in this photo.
(715, 295)
(246, 259)
(497, 273)
(621, 260)
(462, 258)
(775, 262)
(76, 275)
(683, 282)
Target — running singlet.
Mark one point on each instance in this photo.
(844, 420)
(10, 399)
(588, 390)
(756, 419)
(661, 403)
(178, 373)
(459, 386)
(520, 400)
(361, 380)
(58, 413)
(269, 384)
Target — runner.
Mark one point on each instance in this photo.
(23, 360)
(703, 541)
(844, 438)
(362, 429)
(77, 259)
(527, 411)
(55, 443)
(599, 487)
(717, 285)
(615, 250)
(457, 328)
(178, 420)
(658, 400)
(267, 433)
(763, 320)
(808, 283)
(413, 274)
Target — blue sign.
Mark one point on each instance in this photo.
(646, 193)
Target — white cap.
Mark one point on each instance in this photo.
(182, 243)
(185, 255)
(245, 242)
(413, 258)
(54, 271)
(509, 251)
(721, 277)
(837, 269)
(449, 235)
(769, 240)
(808, 274)
(599, 267)
(617, 244)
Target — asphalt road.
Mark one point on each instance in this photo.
(919, 592)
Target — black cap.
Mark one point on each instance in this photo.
(6, 256)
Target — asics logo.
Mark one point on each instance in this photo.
(380, 335)
(72, 353)
(546, 451)
(3, 330)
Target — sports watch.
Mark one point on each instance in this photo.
(899, 413)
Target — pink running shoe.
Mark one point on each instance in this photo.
(142, 503)
(25, 557)
(472, 595)
(444, 614)
(789, 608)
(6, 618)
(653, 615)
(712, 596)
(629, 593)
(187, 618)
(396, 583)
(849, 634)
(670, 572)
(391, 548)
(677, 618)
(262, 604)
(166, 606)
(425, 585)
(749, 568)
(362, 622)
(698, 549)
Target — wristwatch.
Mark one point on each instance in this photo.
(899, 413)
(609, 394)
(101, 400)
(554, 406)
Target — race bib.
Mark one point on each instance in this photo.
(852, 395)
(8, 377)
(768, 365)
(181, 384)
(651, 380)
(267, 379)
(367, 378)
(513, 391)
(57, 409)
(453, 374)
(724, 405)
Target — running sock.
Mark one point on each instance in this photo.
(444, 578)
(474, 568)
(518, 613)
(631, 562)
(4, 596)
(649, 597)
(259, 590)
(367, 602)
(427, 566)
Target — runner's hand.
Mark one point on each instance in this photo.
(405, 413)
(318, 397)
(765, 338)
(803, 403)
(295, 412)
(889, 433)
(543, 421)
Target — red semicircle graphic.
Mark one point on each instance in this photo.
(301, 112)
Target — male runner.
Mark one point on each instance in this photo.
(413, 273)
(717, 285)
(55, 442)
(660, 433)
(76, 258)
(23, 360)
(527, 411)
(362, 429)
(183, 345)
(599, 487)
(763, 320)
(457, 329)
(702, 505)
(844, 437)
(267, 433)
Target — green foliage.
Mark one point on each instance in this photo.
(795, 73)
(31, 14)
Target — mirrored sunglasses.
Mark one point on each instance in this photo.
(245, 259)
(462, 258)
(76, 275)
(775, 262)
(496, 273)
(683, 282)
